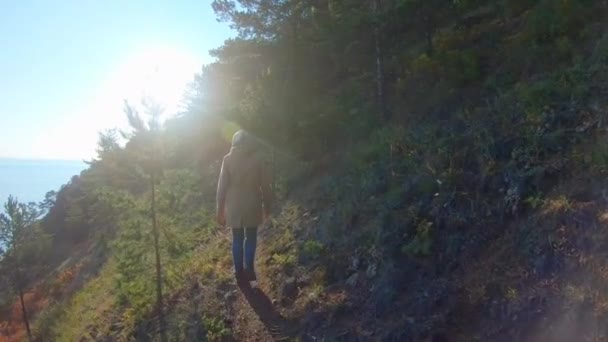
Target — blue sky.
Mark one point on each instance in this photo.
(66, 66)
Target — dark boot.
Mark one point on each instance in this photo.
(250, 275)
(241, 277)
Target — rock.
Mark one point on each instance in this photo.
(352, 280)
(354, 263)
(372, 270)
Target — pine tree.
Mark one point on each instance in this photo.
(145, 142)
(23, 249)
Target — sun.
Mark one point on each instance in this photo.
(161, 74)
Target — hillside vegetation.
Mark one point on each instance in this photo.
(439, 169)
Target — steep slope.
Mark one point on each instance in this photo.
(474, 211)
(534, 278)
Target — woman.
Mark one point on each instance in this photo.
(243, 200)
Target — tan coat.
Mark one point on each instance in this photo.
(243, 190)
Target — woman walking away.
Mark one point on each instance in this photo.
(243, 200)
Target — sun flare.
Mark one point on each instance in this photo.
(161, 74)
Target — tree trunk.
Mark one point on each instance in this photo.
(19, 286)
(295, 81)
(428, 35)
(26, 321)
(380, 100)
(159, 286)
(274, 168)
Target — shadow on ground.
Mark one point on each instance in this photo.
(280, 328)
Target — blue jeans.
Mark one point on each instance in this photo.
(247, 238)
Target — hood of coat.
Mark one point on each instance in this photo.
(243, 141)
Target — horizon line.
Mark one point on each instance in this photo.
(45, 159)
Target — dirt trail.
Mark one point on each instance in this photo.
(255, 318)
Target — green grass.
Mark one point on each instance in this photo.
(91, 306)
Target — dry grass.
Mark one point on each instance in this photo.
(603, 217)
(558, 205)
